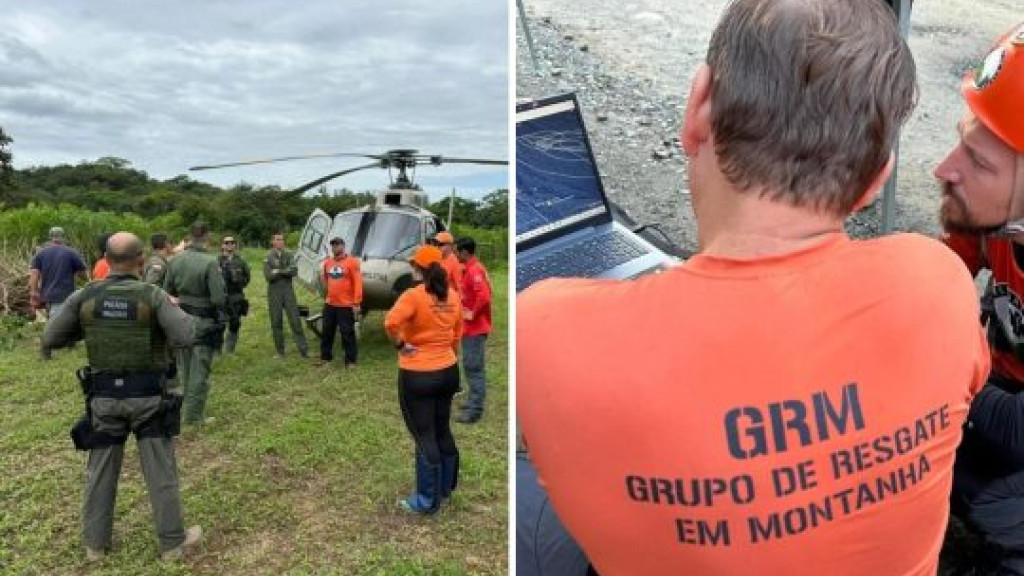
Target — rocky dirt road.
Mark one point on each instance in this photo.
(631, 64)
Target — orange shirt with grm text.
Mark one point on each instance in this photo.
(433, 327)
(792, 414)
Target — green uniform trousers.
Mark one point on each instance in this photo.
(194, 373)
(281, 298)
(194, 366)
(117, 417)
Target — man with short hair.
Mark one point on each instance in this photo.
(127, 326)
(194, 277)
(101, 269)
(789, 400)
(475, 292)
(446, 242)
(236, 274)
(279, 268)
(156, 266)
(341, 283)
(53, 273)
(982, 210)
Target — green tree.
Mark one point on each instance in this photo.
(493, 212)
(7, 181)
(464, 212)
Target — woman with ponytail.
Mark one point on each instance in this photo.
(426, 325)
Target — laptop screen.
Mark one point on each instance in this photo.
(557, 183)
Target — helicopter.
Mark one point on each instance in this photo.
(383, 235)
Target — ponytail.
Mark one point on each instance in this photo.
(435, 280)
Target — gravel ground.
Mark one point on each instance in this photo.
(631, 65)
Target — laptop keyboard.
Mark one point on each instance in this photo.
(580, 260)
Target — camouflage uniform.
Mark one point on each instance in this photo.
(156, 269)
(195, 278)
(236, 277)
(279, 268)
(127, 326)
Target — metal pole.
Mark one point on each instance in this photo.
(529, 38)
(902, 9)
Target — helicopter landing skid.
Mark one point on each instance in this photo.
(315, 325)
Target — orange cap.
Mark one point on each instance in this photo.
(444, 238)
(995, 89)
(426, 255)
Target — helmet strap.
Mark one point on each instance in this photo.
(1014, 227)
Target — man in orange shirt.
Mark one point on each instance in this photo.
(342, 284)
(101, 269)
(789, 400)
(446, 242)
(983, 189)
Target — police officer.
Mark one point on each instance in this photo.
(127, 326)
(279, 268)
(195, 278)
(156, 266)
(236, 277)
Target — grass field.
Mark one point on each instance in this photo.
(298, 474)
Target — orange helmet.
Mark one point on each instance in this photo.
(444, 238)
(995, 89)
(426, 255)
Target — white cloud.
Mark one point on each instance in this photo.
(169, 85)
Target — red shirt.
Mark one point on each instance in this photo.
(792, 414)
(343, 282)
(997, 256)
(476, 298)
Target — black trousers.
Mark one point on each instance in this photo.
(339, 319)
(426, 399)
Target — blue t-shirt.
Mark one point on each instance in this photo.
(57, 265)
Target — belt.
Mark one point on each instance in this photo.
(200, 311)
(129, 384)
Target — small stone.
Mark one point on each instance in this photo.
(584, 48)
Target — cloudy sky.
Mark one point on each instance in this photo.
(168, 85)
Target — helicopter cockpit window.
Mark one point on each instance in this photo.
(347, 227)
(429, 229)
(393, 235)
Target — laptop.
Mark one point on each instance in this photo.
(564, 225)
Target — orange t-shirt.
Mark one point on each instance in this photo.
(343, 282)
(454, 268)
(997, 257)
(795, 414)
(433, 327)
(101, 269)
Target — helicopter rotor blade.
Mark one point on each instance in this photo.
(281, 159)
(446, 160)
(309, 185)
